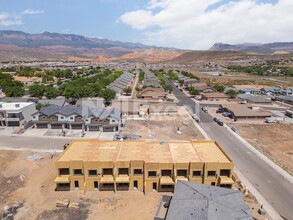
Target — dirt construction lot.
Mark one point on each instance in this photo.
(274, 140)
(164, 127)
(27, 192)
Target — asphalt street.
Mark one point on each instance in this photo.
(271, 185)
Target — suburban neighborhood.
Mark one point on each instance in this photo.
(146, 110)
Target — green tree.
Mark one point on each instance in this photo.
(193, 91)
(127, 90)
(68, 74)
(71, 92)
(51, 92)
(141, 75)
(109, 95)
(11, 87)
(232, 93)
(168, 88)
(14, 91)
(86, 91)
(37, 90)
(219, 87)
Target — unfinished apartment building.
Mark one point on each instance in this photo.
(145, 166)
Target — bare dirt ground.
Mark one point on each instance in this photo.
(273, 140)
(28, 192)
(160, 127)
(35, 196)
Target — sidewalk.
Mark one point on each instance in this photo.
(282, 172)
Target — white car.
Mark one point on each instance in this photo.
(194, 116)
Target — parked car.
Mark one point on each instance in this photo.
(216, 120)
(219, 110)
(226, 114)
(194, 116)
(220, 123)
(204, 109)
(270, 120)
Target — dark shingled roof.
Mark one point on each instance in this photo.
(83, 111)
(193, 201)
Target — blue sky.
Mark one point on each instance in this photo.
(158, 22)
(94, 18)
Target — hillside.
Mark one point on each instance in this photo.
(279, 47)
(19, 46)
(23, 39)
(195, 57)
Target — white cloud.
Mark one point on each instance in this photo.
(10, 19)
(30, 11)
(7, 19)
(139, 19)
(193, 24)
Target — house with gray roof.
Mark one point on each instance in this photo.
(121, 82)
(286, 99)
(249, 91)
(60, 101)
(255, 99)
(194, 201)
(150, 79)
(73, 117)
(271, 91)
(287, 91)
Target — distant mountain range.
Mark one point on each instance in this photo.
(21, 46)
(22, 39)
(278, 47)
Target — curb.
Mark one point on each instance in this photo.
(202, 131)
(270, 210)
(277, 168)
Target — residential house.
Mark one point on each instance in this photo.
(230, 89)
(152, 94)
(287, 91)
(286, 99)
(214, 96)
(151, 80)
(121, 82)
(248, 98)
(16, 114)
(203, 202)
(190, 82)
(271, 91)
(249, 91)
(58, 101)
(202, 87)
(242, 112)
(72, 117)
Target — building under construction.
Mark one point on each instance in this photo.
(145, 166)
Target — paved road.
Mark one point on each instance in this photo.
(32, 143)
(271, 185)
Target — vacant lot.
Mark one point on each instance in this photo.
(27, 188)
(164, 127)
(274, 140)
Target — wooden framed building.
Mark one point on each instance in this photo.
(146, 166)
